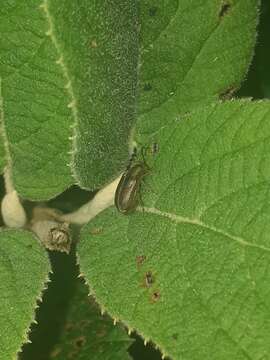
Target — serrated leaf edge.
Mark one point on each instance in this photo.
(103, 311)
(38, 300)
(27, 332)
(115, 319)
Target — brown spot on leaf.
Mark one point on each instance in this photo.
(155, 296)
(175, 336)
(80, 342)
(225, 8)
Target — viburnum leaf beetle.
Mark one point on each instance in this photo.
(127, 193)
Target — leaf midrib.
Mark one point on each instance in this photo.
(61, 62)
(197, 222)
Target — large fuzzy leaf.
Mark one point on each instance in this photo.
(190, 271)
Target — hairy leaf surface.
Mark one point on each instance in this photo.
(190, 270)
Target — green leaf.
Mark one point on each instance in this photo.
(88, 334)
(75, 67)
(82, 71)
(105, 82)
(191, 271)
(182, 46)
(36, 116)
(24, 268)
(192, 52)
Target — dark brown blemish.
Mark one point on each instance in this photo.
(140, 259)
(80, 342)
(155, 296)
(147, 87)
(225, 8)
(175, 336)
(149, 279)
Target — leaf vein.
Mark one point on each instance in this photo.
(193, 221)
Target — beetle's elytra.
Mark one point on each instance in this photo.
(127, 193)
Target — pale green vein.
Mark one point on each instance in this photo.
(193, 221)
(3, 130)
(60, 61)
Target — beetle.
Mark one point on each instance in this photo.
(127, 192)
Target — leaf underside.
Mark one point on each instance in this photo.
(105, 82)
